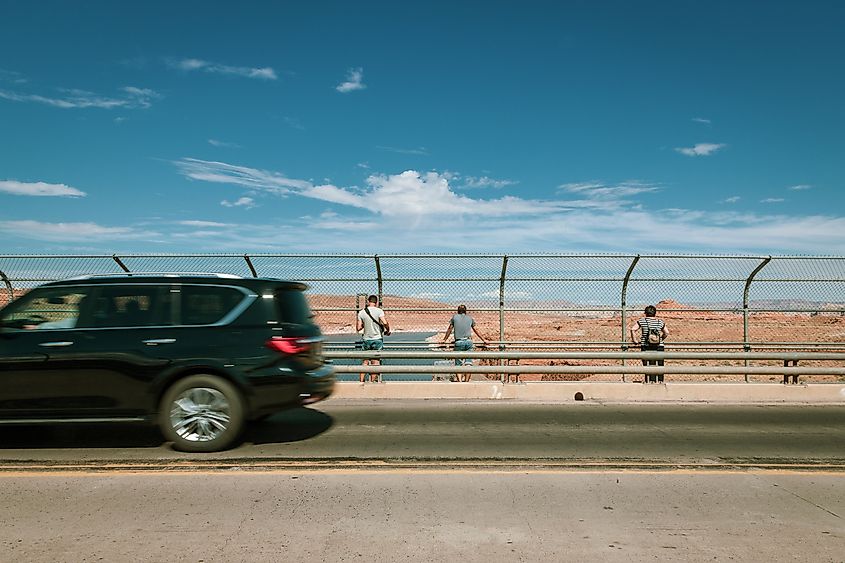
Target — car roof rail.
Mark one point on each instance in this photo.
(160, 274)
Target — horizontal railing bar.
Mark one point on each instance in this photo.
(790, 356)
(594, 370)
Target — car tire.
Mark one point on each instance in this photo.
(202, 413)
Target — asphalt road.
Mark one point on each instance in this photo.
(447, 431)
(439, 481)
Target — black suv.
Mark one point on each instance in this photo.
(200, 354)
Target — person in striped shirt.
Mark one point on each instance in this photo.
(649, 333)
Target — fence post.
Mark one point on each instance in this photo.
(746, 345)
(250, 266)
(8, 286)
(379, 281)
(120, 263)
(502, 311)
(625, 306)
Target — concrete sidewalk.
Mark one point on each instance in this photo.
(617, 392)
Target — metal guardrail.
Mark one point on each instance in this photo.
(504, 371)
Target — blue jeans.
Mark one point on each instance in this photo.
(376, 344)
(463, 345)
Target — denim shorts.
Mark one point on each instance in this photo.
(463, 345)
(376, 344)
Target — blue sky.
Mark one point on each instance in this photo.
(676, 126)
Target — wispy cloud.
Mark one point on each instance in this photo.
(203, 224)
(71, 232)
(701, 149)
(732, 199)
(132, 98)
(485, 182)
(222, 173)
(354, 81)
(223, 144)
(293, 123)
(599, 195)
(246, 202)
(772, 200)
(420, 151)
(189, 65)
(701, 120)
(39, 189)
(800, 187)
(12, 76)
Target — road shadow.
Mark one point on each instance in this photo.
(289, 426)
(293, 425)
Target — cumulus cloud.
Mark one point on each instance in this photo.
(701, 120)
(701, 149)
(772, 200)
(132, 98)
(188, 65)
(354, 81)
(421, 211)
(801, 187)
(39, 189)
(732, 199)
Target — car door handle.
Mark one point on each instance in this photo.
(157, 341)
(55, 344)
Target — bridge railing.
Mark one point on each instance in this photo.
(498, 363)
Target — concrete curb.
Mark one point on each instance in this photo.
(565, 392)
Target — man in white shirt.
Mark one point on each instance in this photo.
(372, 321)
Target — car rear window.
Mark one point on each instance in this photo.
(207, 304)
(292, 307)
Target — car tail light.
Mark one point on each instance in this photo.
(290, 345)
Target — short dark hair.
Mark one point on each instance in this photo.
(650, 311)
(462, 309)
(372, 299)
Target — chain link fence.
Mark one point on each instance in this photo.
(529, 301)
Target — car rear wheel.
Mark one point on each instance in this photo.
(202, 413)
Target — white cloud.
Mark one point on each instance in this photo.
(12, 76)
(800, 187)
(133, 98)
(421, 151)
(222, 173)
(702, 120)
(39, 189)
(223, 144)
(486, 182)
(772, 200)
(70, 232)
(701, 149)
(203, 224)
(416, 211)
(732, 199)
(188, 65)
(246, 202)
(354, 81)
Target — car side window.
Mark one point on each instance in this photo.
(126, 306)
(206, 304)
(50, 309)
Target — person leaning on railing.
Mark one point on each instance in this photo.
(464, 326)
(650, 332)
